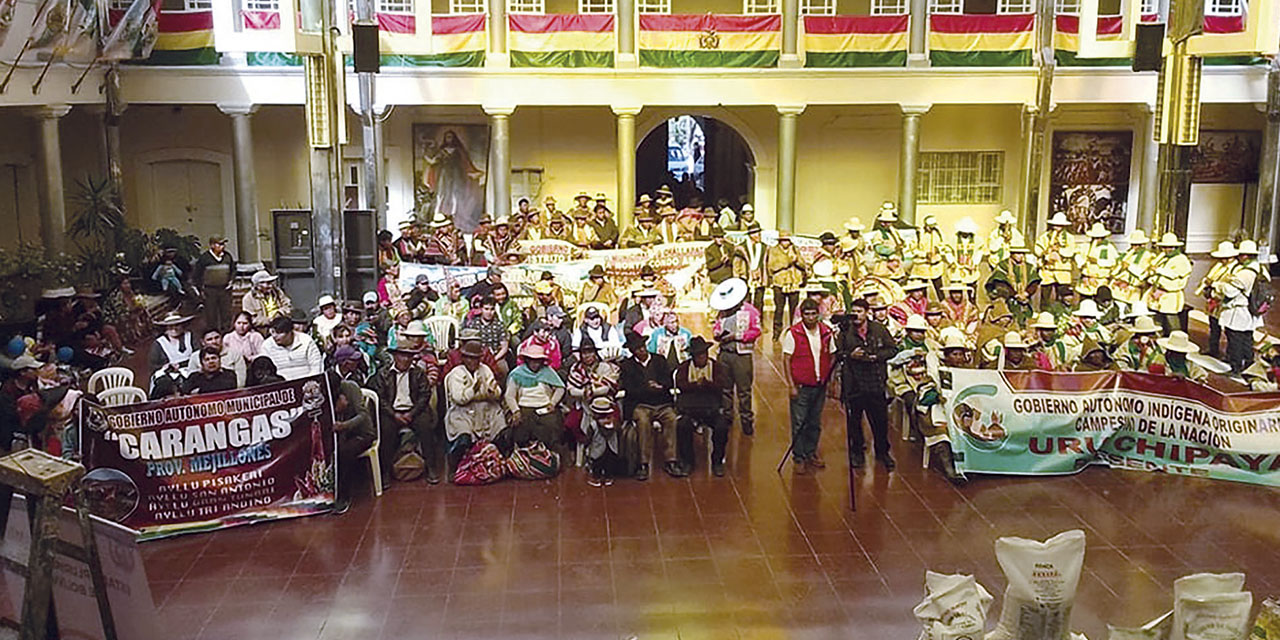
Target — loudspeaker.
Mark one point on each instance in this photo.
(1148, 47)
(364, 45)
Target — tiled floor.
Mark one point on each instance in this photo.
(752, 555)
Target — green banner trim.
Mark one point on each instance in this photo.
(202, 57)
(1016, 58)
(564, 59)
(674, 59)
(827, 60)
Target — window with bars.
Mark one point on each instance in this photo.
(1014, 6)
(1150, 7)
(946, 6)
(760, 6)
(595, 6)
(960, 177)
(1066, 7)
(394, 6)
(199, 5)
(653, 6)
(262, 5)
(1224, 7)
(817, 7)
(466, 6)
(888, 7)
(526, 6)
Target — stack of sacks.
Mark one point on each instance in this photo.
(1042, 577)
(954, 607)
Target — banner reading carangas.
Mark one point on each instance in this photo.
(1037, 422)
(211, 461)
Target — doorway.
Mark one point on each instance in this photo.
(702, 160)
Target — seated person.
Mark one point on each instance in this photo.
(670, 340)
(1139, 351)
(1094, 357)
(294, 353)
(211, 376)
(232, 360)
(646, 377)
(349, 364)
(541, 337)
(702, 383)
(588, 378)
(474, 403)
(262, 370)
(534, 391)
(404, 396)
(454, 357)
(595, 329)
(1176, 349)
(422, 298)
(354, 428)
(265, 300)
(493, 332)
(328, 318)
(1013, 353)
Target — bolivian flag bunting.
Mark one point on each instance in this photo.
(710, 40)
(855, 41)
(981, 40)
(561, 40)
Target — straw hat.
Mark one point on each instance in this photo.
(1098, 230)
(930, 220)
(1018, 248)
(1178, 341)
(1169, 240)
(1059, 219)
(848, 244)
(172, 318)
(325, 300)
(967, 225)
(824, 268)
(916, 322)
(854, 224)
(1138, 310)
(1225, 250)
(262, 277)
(1014, 340)
(953, 339)
(544, 287)
(747, 207)
(888, 213)
(533, 351)
(416, 329)
(956, 286)
(602, 406)
(728, 294)
(1006, 217)
(1144, 324)
(1088, 309)
(1138, 237)
(913, 285)
(1248, 248)
(754, 227)
(1044, 321)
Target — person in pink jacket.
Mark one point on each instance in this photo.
(737, 328)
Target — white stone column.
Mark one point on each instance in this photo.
(497, 55)
(917, 54)
(500, 172)
(788, 116)
(909, 161)
(246, 212)
(626, 21)
(1149, 172)
(790, 58)
(52, 191)
(626, 169)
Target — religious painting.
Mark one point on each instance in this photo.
(450, 163)
(1090, 178)
(1227, 157)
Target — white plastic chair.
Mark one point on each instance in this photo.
(120, 396)
(110, 378)
(444, 330)
(375, 464)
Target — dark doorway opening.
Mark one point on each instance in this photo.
(702, 160)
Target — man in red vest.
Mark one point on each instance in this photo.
(808, 354)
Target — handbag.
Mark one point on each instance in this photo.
(481, 464)
(533, 461)
(409, 463)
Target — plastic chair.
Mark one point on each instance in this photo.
(375, 464)
(120, 396)
(110, 378)
(444, 330)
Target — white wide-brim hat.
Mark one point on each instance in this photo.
(1178, 341)
(728, 294)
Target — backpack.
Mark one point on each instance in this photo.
(1260, 296)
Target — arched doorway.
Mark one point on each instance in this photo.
(702, 159)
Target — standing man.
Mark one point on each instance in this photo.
(928, 254)
(1133, 269)
(213, 272)
(1098, 261)
(737, 328)
(1002, 238)
(1056, 252)
(865, 348)
(808, 354)
(702, 383)
(885, 241)
(1219, 273)
(964, 257)
(719, 257)
(750, 265)
(1237, 318)
(1171, 272)
(787, 272)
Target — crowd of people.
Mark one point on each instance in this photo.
(606, 371)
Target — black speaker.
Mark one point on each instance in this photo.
(364, 45)
(1148, 46)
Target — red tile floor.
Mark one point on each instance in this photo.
(752, 555)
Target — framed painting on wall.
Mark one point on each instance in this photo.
(1227, 157)
(1090, 178)
(450, 164)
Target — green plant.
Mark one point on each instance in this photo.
(98, 227)
(188, 246)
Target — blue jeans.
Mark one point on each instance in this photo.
(806, 421)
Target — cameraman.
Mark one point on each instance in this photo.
(864, 347)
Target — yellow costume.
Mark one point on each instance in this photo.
(1133, 271)
(927, 255)
(884, 239)
(1001, 238)
(1171, 273)
(1056, 252)
(1097, 262)
(965, 256)
(786, 266)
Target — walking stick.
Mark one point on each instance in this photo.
(783, 461)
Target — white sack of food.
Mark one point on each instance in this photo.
(1042, 580)
(1200, 585)
(954, 607)
(1223, 616)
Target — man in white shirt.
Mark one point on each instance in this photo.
(232, 360)
(295, 354)
(1237, 318)
(808, 355)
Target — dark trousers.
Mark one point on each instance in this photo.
(547, 428)
(741, 377)
(690, 418)
(757, 297)
(876, 407)
(1239, 349)
(350, 446)
(784, 306)
(1215, 337)
(1166, 320)
(806, 421)
(217, 308)
(430, 438)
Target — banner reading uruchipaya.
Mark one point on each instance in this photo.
(1035, 422)
(211, 461)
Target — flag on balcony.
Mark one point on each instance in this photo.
(709, 40)
(1228, 24)
(456, 41)
(185, 39)
(856, 41)
(981, 40)
(1066, 41)
(561, 40)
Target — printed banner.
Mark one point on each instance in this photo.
(128, 591)
(1036, 422)
(856, 41)
(211, 461)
